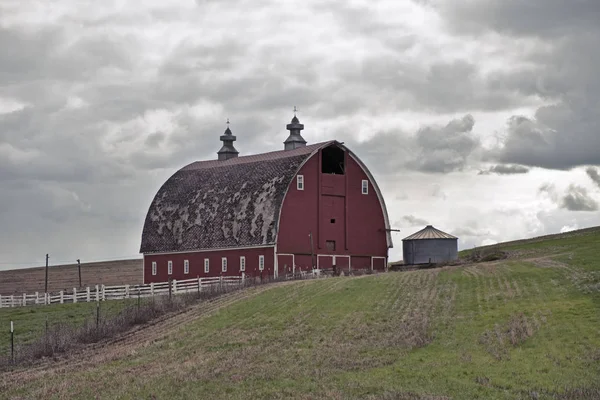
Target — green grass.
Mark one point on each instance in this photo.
(30, 322)
(505, 330)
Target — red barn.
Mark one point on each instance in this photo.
(304, 207)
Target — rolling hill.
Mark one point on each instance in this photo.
(525, 327)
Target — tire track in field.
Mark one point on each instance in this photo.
(489, 291)
(480, 287)
(400, 294)
(412, 285)
(389, 289)
(269, 308)
(403, 288)
(239, 319)
(518, 291)
(304, 298)
(210, 360)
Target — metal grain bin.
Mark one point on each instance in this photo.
(429, 245)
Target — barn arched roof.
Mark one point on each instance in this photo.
(223, 204)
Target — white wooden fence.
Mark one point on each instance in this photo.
(102, 292)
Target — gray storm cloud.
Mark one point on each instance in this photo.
(565, 132)
(108, 105)
(577, 199)
(505, 169)
(414, 221)
(594, 175)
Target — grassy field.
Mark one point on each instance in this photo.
(30, 322)
(527, 327)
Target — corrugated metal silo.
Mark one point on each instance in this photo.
(429, 245)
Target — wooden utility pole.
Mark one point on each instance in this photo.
(46, 291)
(79, 269)
(312, 250)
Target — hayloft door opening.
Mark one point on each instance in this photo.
(332, 161)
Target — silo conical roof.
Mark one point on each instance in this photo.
(429, 232)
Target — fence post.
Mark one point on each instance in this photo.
(152, 289)
(103, 293)
(12, 342)
(174, 285)
(88, 293)
(97, 316)
(24, 299)
(74, 295)
(0, 301)
(199, 285)
(46, 336)
(62, 297)
(126, 291)
(12, 300)
(36, 297)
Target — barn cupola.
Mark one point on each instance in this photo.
(227, 151)
(295, 139)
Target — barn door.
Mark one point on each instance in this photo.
(378, 263)
(285, 264)
(324, 261)
(342, 263)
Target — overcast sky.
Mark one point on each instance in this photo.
(479, 117)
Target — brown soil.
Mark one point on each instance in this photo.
(61, 277)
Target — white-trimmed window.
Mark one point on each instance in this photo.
(365, 186)
(206, 265)
(186, 266)
(223, 264)
(242, 263)
(153, 267)
(261, 262)
(170, 267)
(300, 182)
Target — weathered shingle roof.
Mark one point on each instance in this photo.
(429, 232)
(220, 204)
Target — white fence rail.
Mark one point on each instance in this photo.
(102, 292)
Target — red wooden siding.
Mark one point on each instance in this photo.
(366, 224)
(334, 209)
(299, 213)
(361, 262)
(197, 264)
